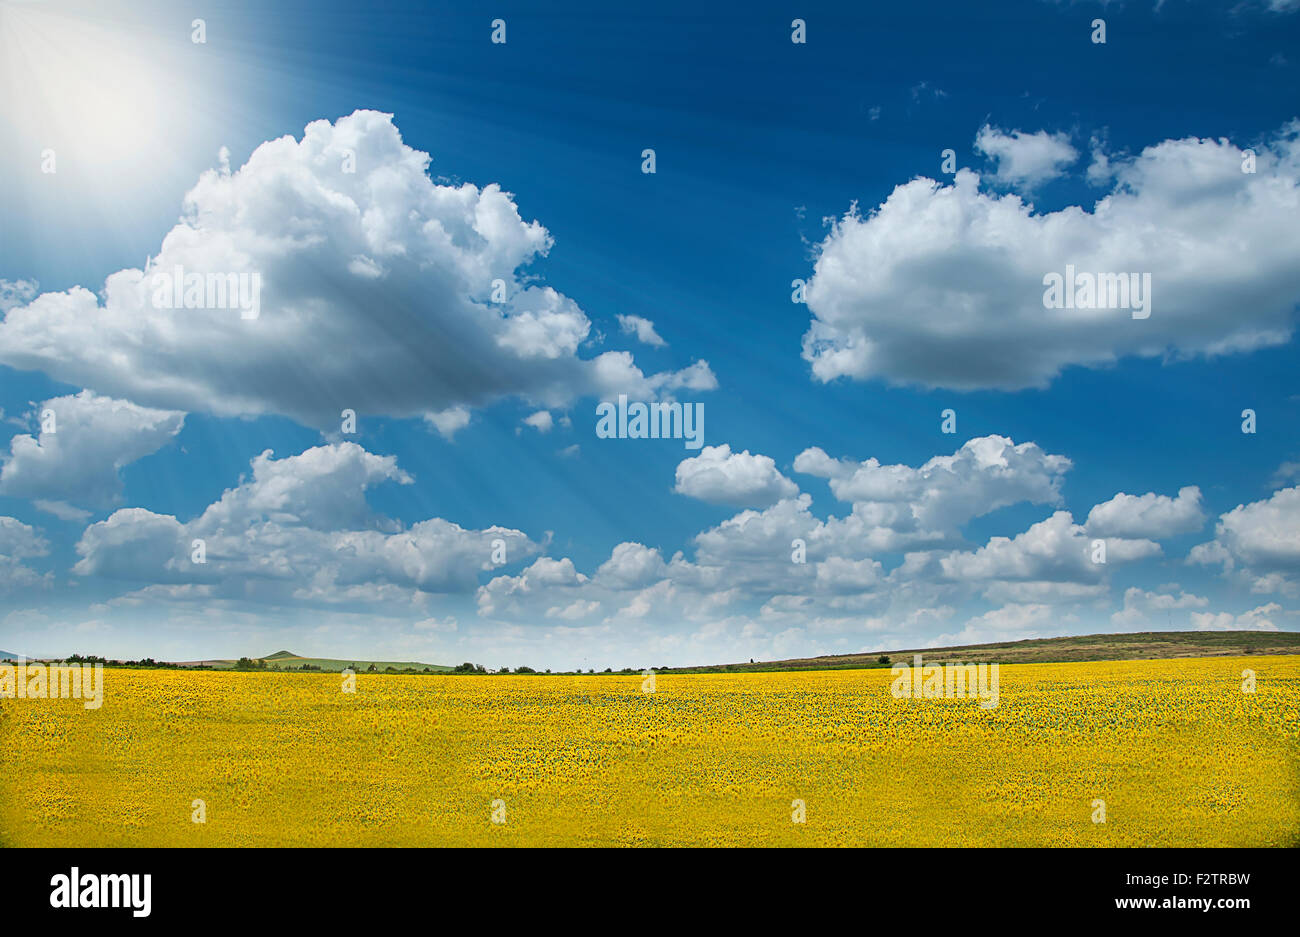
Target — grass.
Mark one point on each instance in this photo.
(287, 660)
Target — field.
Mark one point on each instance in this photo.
(1138, 645)
(1179, 754)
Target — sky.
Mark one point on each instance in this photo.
(827, 230)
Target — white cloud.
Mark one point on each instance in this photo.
(942, 285)
(94, 438)
(375, 295)
(1026, 159)
(721, 476)
(542, 421)
(1143, 608)
(1053, 550)
(1257, 619)
(16, 293)
(1014, 622)
(62, 510)
(19, 541)
(935, 499)
(1150, 515)
(298, 531)
(1260, 539)
(450, 421)
(1287, 473)
(642, 328)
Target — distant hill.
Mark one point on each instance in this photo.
(5, 655)
(288, 660)
(1145, 645)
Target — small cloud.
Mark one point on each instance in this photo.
(448, 422)
(1286, 474)
(62, 510)
(642, 328)
(540, 421)
(17, 293)
(924, 90)
(1026, 159)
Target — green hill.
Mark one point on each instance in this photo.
(287, 660)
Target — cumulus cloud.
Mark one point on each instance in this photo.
(1150, 515)
(942, 285)
(299, 530)
(1013, 622)
(933, 500)
(1257, 619)
(721, 476)
(18, 542)
(376, 294)
(78, 457)
(1260, 540)
(1055, 549)
(1143, 608)
(1025, 159)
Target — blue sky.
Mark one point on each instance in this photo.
(775, 161)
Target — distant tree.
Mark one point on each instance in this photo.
(883, 659)
(525, 670)
(504, 670)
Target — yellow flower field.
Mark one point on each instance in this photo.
(1175, 749)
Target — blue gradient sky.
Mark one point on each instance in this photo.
(759, 143)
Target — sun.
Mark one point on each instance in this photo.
(95, 96)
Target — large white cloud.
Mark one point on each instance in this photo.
(1055, 549)
(299, 530)
(928, 504)
(1149, 515)
(376, 294)
(721, 476)
(1260, 541)
(942, 285)
(79, 461)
